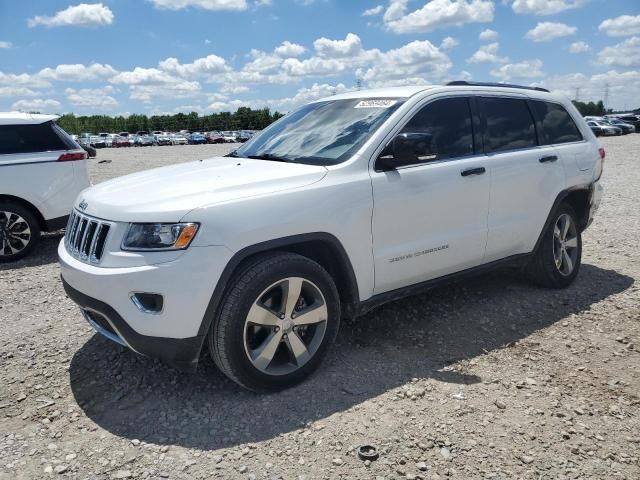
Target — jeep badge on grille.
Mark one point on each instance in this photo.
(83, 205)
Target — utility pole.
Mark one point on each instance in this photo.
(578, 94)
(606, 96)
(359, 84)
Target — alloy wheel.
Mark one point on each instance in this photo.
(565, 244)
(285, 326)
(15, 233)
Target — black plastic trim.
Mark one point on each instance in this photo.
(399, 293)
(55, 224)
(178, 352)
(349, 309)
(464, 83)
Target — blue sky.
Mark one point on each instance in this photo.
(166, 56)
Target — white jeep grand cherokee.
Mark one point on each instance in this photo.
(341, 205)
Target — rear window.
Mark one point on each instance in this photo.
(554, 123)
(31, 138)
(508, 124)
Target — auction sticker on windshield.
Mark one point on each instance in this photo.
(375, 103)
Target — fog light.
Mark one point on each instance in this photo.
(148, 302)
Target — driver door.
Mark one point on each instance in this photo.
(430, 218)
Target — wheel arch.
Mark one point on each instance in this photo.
(579, 197)
(321, 247)
(26, 204)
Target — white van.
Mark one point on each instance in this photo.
(42, 171)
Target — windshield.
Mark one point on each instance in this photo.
(322, 133)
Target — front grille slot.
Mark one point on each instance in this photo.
(86, 237)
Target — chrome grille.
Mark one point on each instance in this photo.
(85, 237)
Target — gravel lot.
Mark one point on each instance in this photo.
(487, 378)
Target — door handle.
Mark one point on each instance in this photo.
(473, 171)
(550, 158)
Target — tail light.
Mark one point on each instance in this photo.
(602, 153)
(71, 156)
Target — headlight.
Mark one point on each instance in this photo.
(159, 236)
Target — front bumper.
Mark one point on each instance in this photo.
(186, 283)
(179, 352)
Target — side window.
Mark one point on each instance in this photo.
(555, 123)
(508, 124)
(30, 138)
(448, 121)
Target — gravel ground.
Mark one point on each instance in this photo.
(486, 378)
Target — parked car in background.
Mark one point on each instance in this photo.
(606, 129)
(145, 140)
(178, 139)
(214, 137)
(314, 220)
(119, 142)
(97, 141)
(163, 139)
(229, 137)
(243, 136)
(631, 119)
(197, 138)
(595, 128)
(42, 171)
(624, 126)
(110, 138)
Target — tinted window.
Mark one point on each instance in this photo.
(449, 122)
(555, 123)
(509, 124)
(30, 138)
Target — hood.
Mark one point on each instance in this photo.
(167, 194)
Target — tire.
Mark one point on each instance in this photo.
(261, 286)
(557, 260)
(18, 225)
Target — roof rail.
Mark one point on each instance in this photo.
(493, 84)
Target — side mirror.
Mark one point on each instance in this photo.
(407, 149)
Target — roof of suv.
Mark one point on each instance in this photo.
(21, 118)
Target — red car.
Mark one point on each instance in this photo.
(120, 142)
(214, 137)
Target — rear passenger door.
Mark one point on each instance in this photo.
(526, 176)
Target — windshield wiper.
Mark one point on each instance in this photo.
(232, 154)
(269, 156)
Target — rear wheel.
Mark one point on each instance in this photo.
(557, 261)
(276, 322)
(19, 231)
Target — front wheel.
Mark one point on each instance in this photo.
(557, 261)
(19, 231)
(277, 320)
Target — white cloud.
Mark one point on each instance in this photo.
(227, 105)
(436, 14)
(547, 31)
(622, 87)
(525, 69)
(82, 15)
(487, 54)
(203, 4)
(488, 34)
(5, 44)
(288, 49)
(77, 72)
(448, 43)
(234, 89)
(621, 26)
(95, 98)
(416, 59)
(24, 80)
(36, 104)
(624, 54)
(349, 47)
(579, 47)
(209, 65)
(545, 7)
(16, 92)
(370, 12)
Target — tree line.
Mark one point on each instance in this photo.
(243, 119)
(591, 109)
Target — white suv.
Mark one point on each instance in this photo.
(42, 171)
(343, 204)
